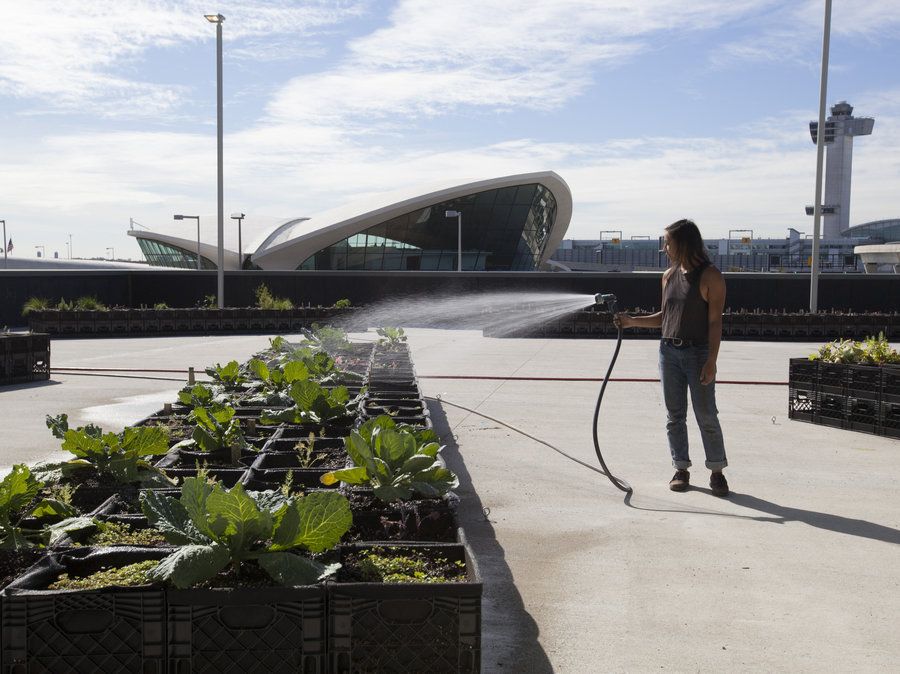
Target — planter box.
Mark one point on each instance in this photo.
(853, 397)
(373, 627)
(268, 629)
(114, 630)
(24, 357)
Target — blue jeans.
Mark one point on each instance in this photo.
(679, 370)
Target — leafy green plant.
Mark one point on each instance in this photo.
(871, 351)
(423, 436)
(90, 303)
(220, 528)
(314, 404)
(62, 305)
(119, 533)
(327, 338)
(342, 303)
(208, 302)
(215, 429)
(395, 465)
(118, 455)
(228, 376)
(36, 304)
(198, 395)
(276, 378)
(391, 337)
(266, 300)
(160, 306)
(19, 492)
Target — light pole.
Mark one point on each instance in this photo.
(197, 218)
(218, 19)
(71, 254)
(5, 246)
(458, 216)
(820, 151)
(43, 251)
(112, 250)
(240, 218)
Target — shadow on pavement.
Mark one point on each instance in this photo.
(27, 385)
(509, 635)
(837, 523)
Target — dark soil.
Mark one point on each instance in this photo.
(92, 489)
(14, 562)
(418, 520)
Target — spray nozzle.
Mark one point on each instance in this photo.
(608, 299)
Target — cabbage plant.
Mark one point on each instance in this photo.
(315, 404)
(121, 456)
(393, 463)
(220, 528)
(215, 429)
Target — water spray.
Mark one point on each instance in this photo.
(609, 301)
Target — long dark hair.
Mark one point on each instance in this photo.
(688, 242)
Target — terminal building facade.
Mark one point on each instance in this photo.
(512, 223)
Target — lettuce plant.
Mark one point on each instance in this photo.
(276, 379)
(392, 338)
(215, 429)
(228, 376)
(423, 436)
(220, 528)
(119, 455)
(395, 465)
(200, 395)
(19, 499)
(314, 404)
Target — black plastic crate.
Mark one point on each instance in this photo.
(803, 372)
(832, 378)
(864, 381)
(801, 403)
(233, 631)
(831, 409)
(890, 419)
(376, 627)
(863, 414)
(56, 631)
(890, 383)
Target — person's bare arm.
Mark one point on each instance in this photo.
(651, 321)
(712, 288)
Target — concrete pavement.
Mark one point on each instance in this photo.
(797, 571)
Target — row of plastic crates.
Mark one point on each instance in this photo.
(874, 382)
(24, 358)
(734, 326)
(850, 413)
(171, 321)
(337, 627)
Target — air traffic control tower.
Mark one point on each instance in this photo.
(840, 129)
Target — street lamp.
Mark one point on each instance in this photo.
(458, 216)
(218, 19)
(239, 217)
(112, 250)
(70, 247)
(43, 251)
(197, 218)
(5, 246)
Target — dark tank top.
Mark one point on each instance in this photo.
(685, 314)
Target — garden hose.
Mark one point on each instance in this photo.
(618, 482)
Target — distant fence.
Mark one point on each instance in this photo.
(185, 288)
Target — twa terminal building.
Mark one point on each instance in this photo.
(513, 223)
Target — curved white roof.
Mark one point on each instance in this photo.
(278, 244)
(294, 242)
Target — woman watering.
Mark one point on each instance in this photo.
(693, 298)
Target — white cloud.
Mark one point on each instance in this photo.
(488, 54)
(76, 55)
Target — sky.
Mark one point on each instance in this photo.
(651, 110)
